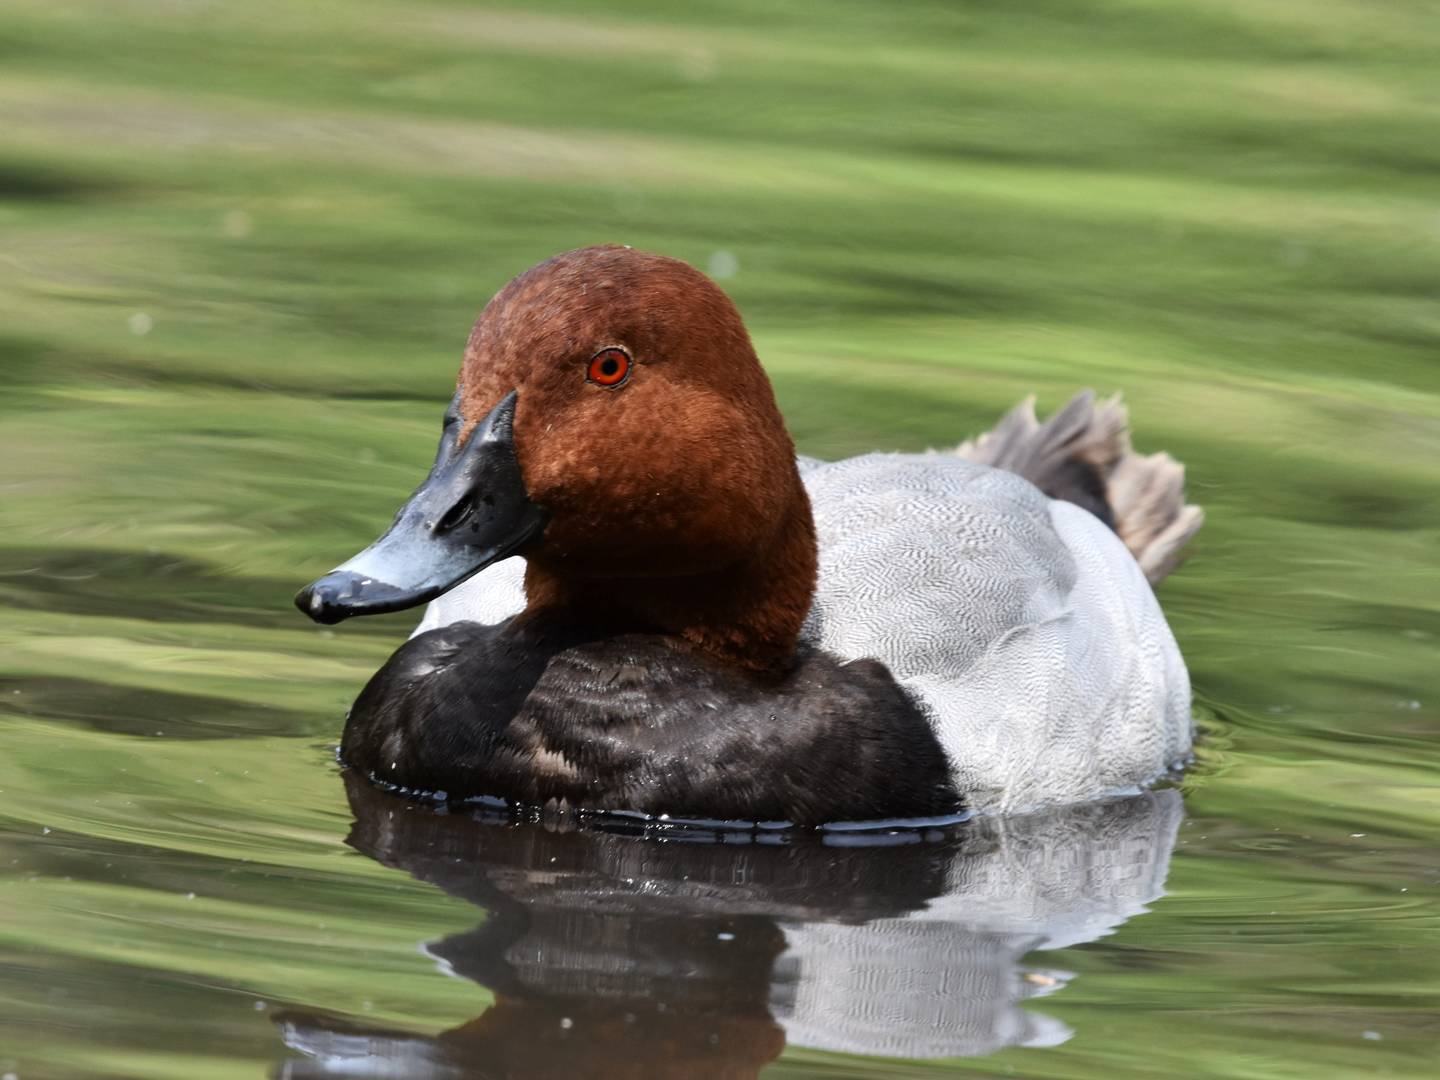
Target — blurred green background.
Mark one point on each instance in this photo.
(241, 245)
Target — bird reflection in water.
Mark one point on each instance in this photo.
(618, 956)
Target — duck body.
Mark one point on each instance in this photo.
(1018, 627)
(708, 627)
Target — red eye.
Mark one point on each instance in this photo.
(609, 367)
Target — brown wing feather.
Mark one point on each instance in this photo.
(1082, 454)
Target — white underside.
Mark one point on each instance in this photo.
(1021, 624)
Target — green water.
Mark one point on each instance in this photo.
(240, 248)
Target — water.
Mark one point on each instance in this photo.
(240, 247)
(681, 955)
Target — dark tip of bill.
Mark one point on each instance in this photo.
(327, 600)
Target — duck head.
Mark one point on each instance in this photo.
(611, 424)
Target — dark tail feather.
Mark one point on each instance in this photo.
(1082, 454)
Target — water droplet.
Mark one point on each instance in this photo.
(697, 65)
(236, 224)
(723, 264)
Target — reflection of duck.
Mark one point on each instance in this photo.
(612, 957)
(976, 636)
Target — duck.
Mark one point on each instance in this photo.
(641, 600)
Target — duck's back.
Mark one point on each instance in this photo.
(1021, 623)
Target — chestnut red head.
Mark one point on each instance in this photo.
(659, 480)
(643, 422)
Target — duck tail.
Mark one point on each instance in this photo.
(1082, 454)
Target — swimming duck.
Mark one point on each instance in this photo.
(680, 617)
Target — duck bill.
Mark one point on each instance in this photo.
(472, 510)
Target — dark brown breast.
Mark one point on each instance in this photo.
(535, 712)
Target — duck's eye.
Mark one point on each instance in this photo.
(609, 367)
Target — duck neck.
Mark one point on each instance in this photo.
(747, 614)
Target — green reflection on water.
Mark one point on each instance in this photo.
(240, 246)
